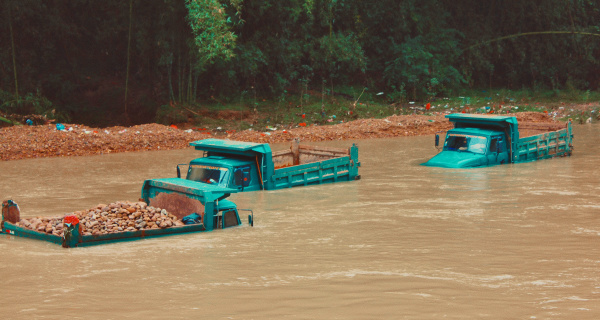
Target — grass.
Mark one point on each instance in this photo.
(351, 103)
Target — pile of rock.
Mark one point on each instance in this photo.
(112, 218)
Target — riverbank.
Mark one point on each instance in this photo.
(24, 142)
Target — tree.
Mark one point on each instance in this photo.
(211, 28)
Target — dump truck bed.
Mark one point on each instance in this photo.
(554, 141)
(307, 165)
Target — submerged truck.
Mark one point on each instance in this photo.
(201, 210)
(247, 166)
(480, 140)
(233, 166)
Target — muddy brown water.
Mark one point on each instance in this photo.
(405, 242)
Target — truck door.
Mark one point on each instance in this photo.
(498, 152)
(241, 177)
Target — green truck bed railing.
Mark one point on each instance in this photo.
(544, 146)
(326, 171)
(78, 240)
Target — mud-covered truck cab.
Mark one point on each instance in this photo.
(479, 140)
(246, 166)
(183, 198)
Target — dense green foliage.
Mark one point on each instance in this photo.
(108, 62)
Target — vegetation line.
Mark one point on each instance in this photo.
(531, 34)
(64, 59)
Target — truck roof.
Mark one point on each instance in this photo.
(483, 121)
(207, 192)
(454, 117)
(229, 146)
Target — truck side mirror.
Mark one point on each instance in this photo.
(437, 140)
(179, 170)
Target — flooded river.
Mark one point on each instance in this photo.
(405, 242)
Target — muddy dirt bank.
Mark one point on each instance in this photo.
(22, 142)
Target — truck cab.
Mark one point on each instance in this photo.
(471, 147)
(183, 198)
(227, 172)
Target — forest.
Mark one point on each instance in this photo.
(121, 61)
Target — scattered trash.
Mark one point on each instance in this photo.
(165, 138)
(60, 127)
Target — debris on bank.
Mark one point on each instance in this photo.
(60, 140)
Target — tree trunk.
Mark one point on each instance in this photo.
(128, 59)
(170, 76)
(12, 45)
(179, 68)
(196, 76)
(189, 86)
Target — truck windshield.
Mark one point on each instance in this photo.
(208, 174)
(474, 144)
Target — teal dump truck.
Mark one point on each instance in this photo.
(246, 166)
(197, 211)
(480, 140)
(233, 166)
